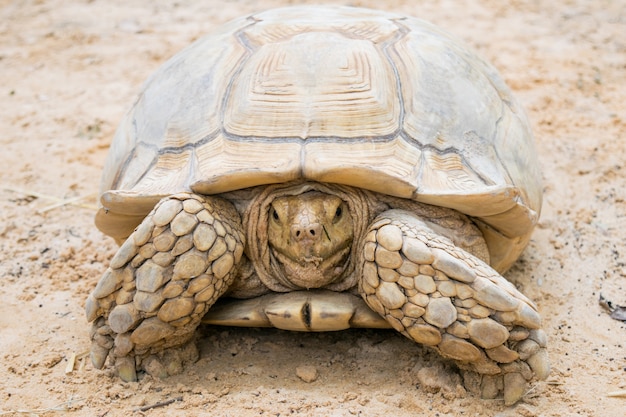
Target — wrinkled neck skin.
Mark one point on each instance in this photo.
(308, 247)
(302, 235)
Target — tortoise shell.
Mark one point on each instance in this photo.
(343, 95)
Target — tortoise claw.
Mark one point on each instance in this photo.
(171, 361)
(515, 386)
(154, 367)
(125, 367)
(98, 355)
(540, 364)
(511, 386)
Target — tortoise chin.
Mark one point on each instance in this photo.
(313, 272)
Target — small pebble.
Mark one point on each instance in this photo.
(307, 373)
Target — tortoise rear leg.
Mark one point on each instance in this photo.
(160, 283)
(440, 295)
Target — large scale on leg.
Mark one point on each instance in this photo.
(319, 168)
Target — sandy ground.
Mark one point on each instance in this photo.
(69, 70)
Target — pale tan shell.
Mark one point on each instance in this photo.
(344, 95)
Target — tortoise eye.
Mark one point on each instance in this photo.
(338, 213)
(275, 215)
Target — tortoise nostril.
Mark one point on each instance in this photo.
(306, 232)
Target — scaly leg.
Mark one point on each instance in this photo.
(441, 296)
(161, 282)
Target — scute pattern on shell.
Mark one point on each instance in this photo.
(315, 87)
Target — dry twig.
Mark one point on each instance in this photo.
(620, 394)
(60, 202)
(159, 404)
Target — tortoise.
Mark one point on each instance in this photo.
(316, 169)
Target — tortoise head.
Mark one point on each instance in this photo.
(310, 235)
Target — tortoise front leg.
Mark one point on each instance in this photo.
(161, 282)
(442, 296)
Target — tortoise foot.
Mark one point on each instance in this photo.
(444, 297)
(163, 279)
